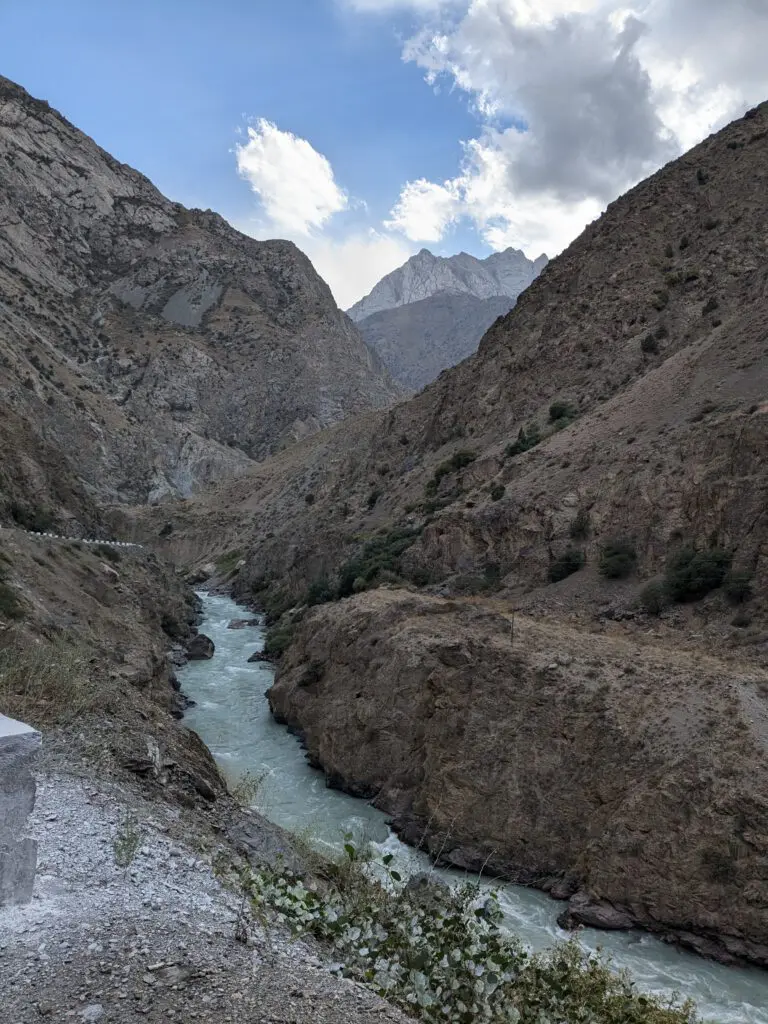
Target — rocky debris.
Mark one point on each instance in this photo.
(200, 647)
(19, 744)
(536, 755)
(259, 656)
(129, 922)
(243, 623)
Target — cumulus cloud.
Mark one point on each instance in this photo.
(353, 264)
(294, 182)
(578, 100)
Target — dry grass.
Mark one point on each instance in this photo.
(49, 683)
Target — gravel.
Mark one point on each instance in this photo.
(153, 940)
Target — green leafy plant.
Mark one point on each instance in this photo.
(278, 639)
(525, 440)
(654, 598)
(497, 491)
(459, 460)
(126, 842)
(580, 525)
(382, 554)
(442, 955)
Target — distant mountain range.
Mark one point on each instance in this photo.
(430, 313)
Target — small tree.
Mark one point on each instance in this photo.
(618, 558)
(566, 565)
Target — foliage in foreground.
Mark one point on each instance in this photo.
(442, 956)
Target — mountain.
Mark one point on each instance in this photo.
(419, 340)
(423, 275)
(431, 313)
(147, 349)
(585, 483)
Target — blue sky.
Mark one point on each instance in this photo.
(389, 124)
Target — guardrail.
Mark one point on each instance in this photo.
(95, 541)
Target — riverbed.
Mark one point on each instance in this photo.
(232, 717)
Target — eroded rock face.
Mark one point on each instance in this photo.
(19, 744)
(164, 348)
(554, 757)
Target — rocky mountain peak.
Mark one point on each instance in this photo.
(504, 273)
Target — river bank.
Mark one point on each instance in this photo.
(232, 715)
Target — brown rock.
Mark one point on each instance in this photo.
(200, 647)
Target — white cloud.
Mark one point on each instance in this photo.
(424, 210)
(294, 182)
(351, 266)
(600, 94)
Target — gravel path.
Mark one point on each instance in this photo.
(153, 940)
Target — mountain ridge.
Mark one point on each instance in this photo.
(424, 275)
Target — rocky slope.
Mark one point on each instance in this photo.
(419, 340)
(639, 355)
(630, 776)
(150, 349)
(424, 275)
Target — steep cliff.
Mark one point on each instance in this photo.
(155, 347)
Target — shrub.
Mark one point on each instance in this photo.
(566, 565)
(580, 526)
(47, 683)
(654, 598)
(320, 591)
(497, 492)
(441, 953)
(525, 441)
(39, 519)
(382, 554)
(10, 605)
(373, 497)
(738, 586)
(650, 345)
(692, 574)
(166, 530)
(561, 411)
(456, 462)
(710, 306)
(309, 498)
(278, 639)
(618, 559)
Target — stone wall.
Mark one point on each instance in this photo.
(19, 744)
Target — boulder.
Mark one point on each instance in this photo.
(584, 909)
(200, 648)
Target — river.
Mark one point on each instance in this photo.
(232, 717)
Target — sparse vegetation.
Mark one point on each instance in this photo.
(618, 558)
(278, 639)
(110, 553)
(692, 574)
(459, 460)
(227, 562)
(654, 598)
(571, 560)
(525, 440)
(441, 953)
(560, 410)
(49, 683)
(11, 606)
(38, 519)
(497, 491)
(382, 554)
(650, 345)
(126, 842)
(710, 306)
(373, 497)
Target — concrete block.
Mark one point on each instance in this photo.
(19, 744)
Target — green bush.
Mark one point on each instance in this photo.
(580, 526)
(618, 558)
(373, 497)
(442, 954)
(566, 565)
(654, 598)
(738, 586)
(278, 639)
(320, 592)
(525, 441)
(692, 574)
(561, 411)
(38, 519)
(497, 492)
(382, 554)
(456, 462)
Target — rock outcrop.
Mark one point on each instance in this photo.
(633, 773)
(147, 349)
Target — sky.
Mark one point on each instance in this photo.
(364, 130)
